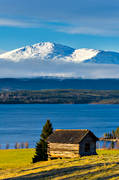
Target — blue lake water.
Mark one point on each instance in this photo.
(23, 122)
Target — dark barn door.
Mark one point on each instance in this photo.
(87, 147)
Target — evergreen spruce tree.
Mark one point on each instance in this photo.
(41, 146)
(47, 130)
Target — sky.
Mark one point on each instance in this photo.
(76, 23)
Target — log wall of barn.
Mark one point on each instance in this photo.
(63, 150)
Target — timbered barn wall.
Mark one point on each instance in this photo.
(63, 150)
(72, 150)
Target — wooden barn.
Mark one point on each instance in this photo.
(71, 143)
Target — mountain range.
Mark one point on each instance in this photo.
(56, 60)
(52, 51)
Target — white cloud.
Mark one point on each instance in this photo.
(92, 25)
(32, 68)
(9, 22)
(17, 23)
(83, 16)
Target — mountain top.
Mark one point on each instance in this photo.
(53, 51)
(40, 50)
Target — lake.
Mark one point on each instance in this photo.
(23, 122)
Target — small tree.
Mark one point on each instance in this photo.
(17, 145)
(117, 145)
(113, 134)
(41, 146)
(104, 145)
(105, 135)
(117, 132)
(22, 145)
(26, 145)
(7, 146)
(112, 145)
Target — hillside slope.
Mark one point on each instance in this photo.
(13, 84)
(16, 164)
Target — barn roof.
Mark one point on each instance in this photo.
(69, 136)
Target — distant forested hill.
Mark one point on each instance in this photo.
(55, 83)
(58, 96)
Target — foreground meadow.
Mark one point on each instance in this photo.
(16, 164)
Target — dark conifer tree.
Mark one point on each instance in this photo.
(47, 130)
(41, 146)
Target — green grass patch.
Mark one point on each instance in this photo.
(17, 164)
(16, 158)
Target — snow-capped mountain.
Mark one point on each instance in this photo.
(42, 51)
(52, 51)
(55, 60)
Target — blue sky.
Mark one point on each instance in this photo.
(76, 23)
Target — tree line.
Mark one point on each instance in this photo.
(22, 145)
(60, 96)
(112, 135)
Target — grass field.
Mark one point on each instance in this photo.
(16, 164)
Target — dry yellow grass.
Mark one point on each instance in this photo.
(16, 164)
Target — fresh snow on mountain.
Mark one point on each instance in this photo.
(81, 55)
(42, 51)
(55, 60)
(52, 51)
